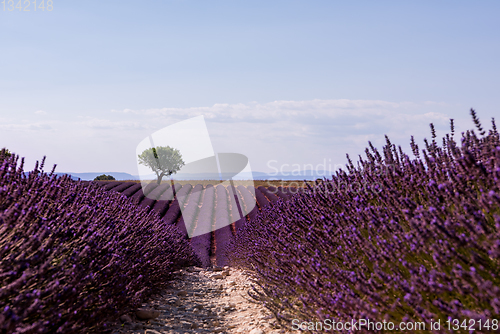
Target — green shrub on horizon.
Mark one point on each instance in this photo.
(4, 153)
(105, 178)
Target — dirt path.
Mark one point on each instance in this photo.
(203, 301)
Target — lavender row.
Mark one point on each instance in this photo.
(290, 191)
(75, 256)
(191, 209)
(132, 190)
(247, 197)
(201, 242)
(178, 204)
(235, 209)
(149, 200)
(159, 190)
(239, 208)
(224, 235)
(111, 184)
(174, 209)
(168, 195)
(122, 187)
(269, 194)
(262, 200)
(279, 192)
(141, 194)
(395, 238)
(223, 232)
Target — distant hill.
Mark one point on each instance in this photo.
(303, 175)
(91, 176)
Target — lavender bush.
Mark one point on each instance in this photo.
(242, 205)
(132, 190)
(279, 192)
(223, 233)
(186, 200)
(150, 200)
(259, 197)
(108, 185)
(271, 196)
(201, 243)
(246, 197)
(141, 194)
(74, 255)
(394, 238)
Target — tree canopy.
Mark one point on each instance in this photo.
(104, 178)
(163, 160)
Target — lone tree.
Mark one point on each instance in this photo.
(163, 160)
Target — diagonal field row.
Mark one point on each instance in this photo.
(203, 209)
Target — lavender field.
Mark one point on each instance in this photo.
(74, 256)
(421, 242)
(394, 238)
(212, 205)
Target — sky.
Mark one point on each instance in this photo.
(289, 84)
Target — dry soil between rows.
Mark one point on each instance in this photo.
(203, 301)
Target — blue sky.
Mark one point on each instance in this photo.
(295, 82)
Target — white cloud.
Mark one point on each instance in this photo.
(105, 124)
(308, 112)
(307, 131)
(40, 112)
(27, 126)
(289, 132)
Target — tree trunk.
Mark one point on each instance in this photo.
(159, 178)
(172, 185)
